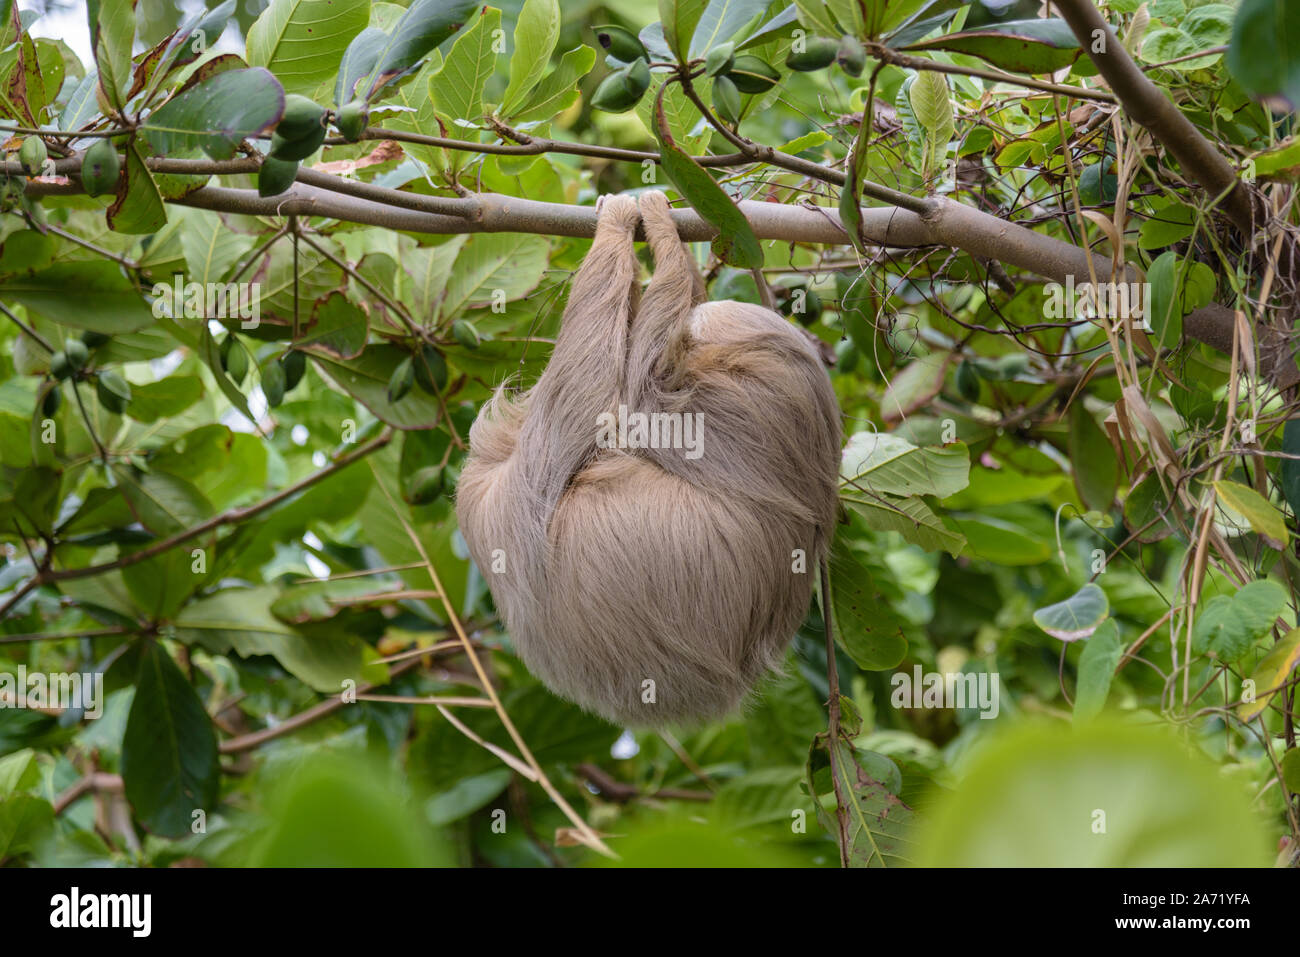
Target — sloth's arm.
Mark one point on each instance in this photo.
(660, 332)
(585, 375)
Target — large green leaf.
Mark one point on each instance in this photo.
(1077, 617)
(366, 379)
(536, 32)
(457, 88)
(1100, 794)
(240, 620)
(302, 41)
(867, 628)
(64, 293)
(217, 113)
(376, 57)
(881, 462)
(1229, 626)
(169, 750)
(112, 32)
(679, 19)
(1097, 664)
(558, 90)
(1017, 46)
(1270, 674)
(736, 243)
(1264, 53)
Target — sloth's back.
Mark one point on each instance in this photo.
(665, 602)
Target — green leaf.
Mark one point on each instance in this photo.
(1099, 794)
(169, 751)
(302, 41)
(1229, 626)
(61, 292)
(1269, 675)
(457, 88)
(338, 327)
(112, 32)
(910, 517)
(866, 627)
(1017, 46)
(736, 243)
(163, 503)
(215, 114)
(1097, 664)
(24, 820)
(932, 106)
(1263, 517)
(489, 266)
(375, 58)
(1264, 53)
(1095, 465)
(1077, 617)
(139, 208)
(366, 379)
(679, 19)
(883, 462)
(536, 33)
(721, 22)
(343, 810)
(240, 620)
(1178, 286)
(558, 89)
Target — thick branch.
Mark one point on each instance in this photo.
(1146, 105)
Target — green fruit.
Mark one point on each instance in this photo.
(287, 149)
(851, 56)
(77, 353)
(613, 95)
(425, 485)
(431, 371)
(302, 117)
(53, 399)
(32, 155)
(721, 59)
(846, 355)
(275, 176)
(726, 99)
(619, 43)
(400, 382)
(351, 120)
(817, 54)
(100, 166)
(114, 392)
(295, 366)
(636, 77)
(94, 340)
(806, 308)
(59, 367)
(968, 381)
(752, 75)
(464, 332)
(234, 358)
(273, 381)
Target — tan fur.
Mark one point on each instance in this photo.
(627, 566)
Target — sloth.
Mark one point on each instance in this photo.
(653, 584)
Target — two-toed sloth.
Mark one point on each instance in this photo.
(655, 585)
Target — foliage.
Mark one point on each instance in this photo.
(245, 340)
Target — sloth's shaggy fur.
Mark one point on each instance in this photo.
(613, 568)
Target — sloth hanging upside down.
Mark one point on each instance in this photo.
(654, 585)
